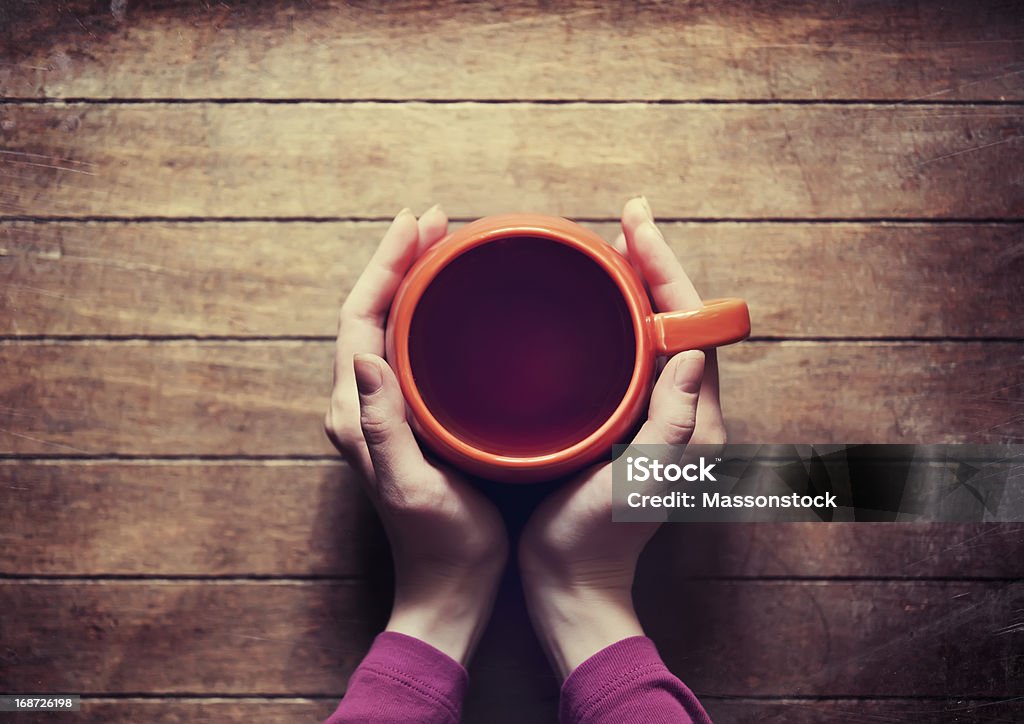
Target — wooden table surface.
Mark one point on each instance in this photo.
(189, 189)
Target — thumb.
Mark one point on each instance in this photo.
(673, 410)
(394, 452)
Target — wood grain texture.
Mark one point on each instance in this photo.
(843, 711)
(696, 50)
(369, 160)
(723, 639)
(852, 638)
(283, 519)
(101, 710)
(185, 637)
(268, 398)
(270, 279)
(312, 519)
(722, 711)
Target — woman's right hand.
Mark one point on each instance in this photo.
(448, 541)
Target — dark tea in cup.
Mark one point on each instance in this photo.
(522, 345)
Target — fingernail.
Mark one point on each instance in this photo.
(368, 376)
(647, 207)
(406, 210)
(435, 207)
(683, 376)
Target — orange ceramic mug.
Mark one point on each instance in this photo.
(525, 346)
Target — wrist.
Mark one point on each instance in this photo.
(574, 619)
(447, 610)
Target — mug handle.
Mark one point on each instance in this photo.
(718, 322)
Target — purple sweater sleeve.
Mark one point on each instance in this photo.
(403, 679)
(624, 683)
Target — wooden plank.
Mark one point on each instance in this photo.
(842, 711)
(852, 393)
(369, 160)
(852, 638)
(695, 50)
(284, 519)
(269, 279)
(723, 639)
(726, 711)
(238, 279)
(101, 710)
(298, 638)
(975, 550)
(268, 398)
(311, 519)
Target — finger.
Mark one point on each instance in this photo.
(371, 295)
(672, 415)
(620, 245)
(361, 330)
(671, 419)
(671, 289)
(635, 212)
(433, 225)
(393, 449)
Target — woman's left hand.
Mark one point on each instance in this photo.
(577, 564)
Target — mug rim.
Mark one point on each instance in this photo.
(486, 230)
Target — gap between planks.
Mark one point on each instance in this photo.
(198, 340)
(866, 102)
(309, 581)
(140, 696)
(739, 220)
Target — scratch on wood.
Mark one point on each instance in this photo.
(131, 265)
(42, 292)
(961, 86)
(1012, 628)
(962, 544)
(119, 8)
(26, 65)
(531, 20)
(1008, 255)
(286, 641)
(52, 166)
(969, 150)
(28, 154)
(44, 442)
